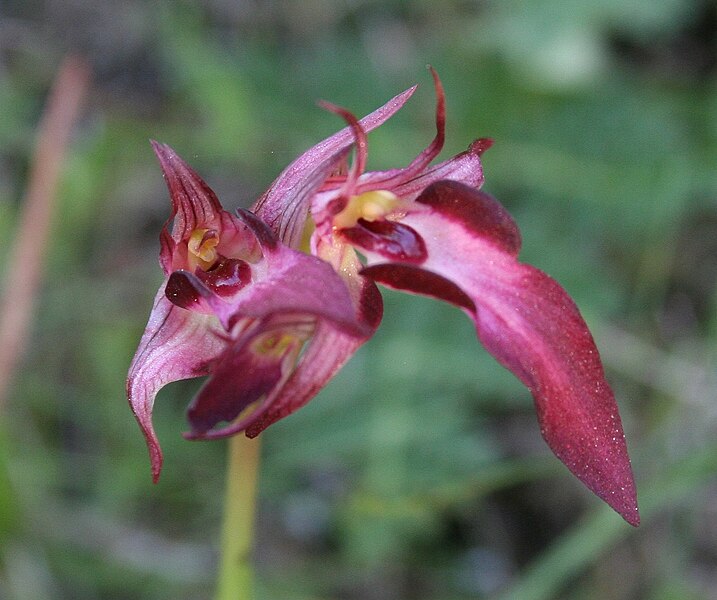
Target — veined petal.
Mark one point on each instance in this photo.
(285, 204)
(465, 167)
(194, 204)
(177, 344)
(530, 324)
(328, 351)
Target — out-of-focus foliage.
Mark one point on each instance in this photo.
(420, 472)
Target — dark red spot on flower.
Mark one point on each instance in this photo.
(185, 291)
(390, 239)
(227, 277)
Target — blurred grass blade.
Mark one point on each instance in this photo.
(26, 256)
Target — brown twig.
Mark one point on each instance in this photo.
(28, 251)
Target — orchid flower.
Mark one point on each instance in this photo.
(428, 229)
(235, 304)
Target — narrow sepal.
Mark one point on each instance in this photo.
(194, 204)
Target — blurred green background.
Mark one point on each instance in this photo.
(419, 473)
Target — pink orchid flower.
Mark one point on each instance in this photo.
(428, 229)
(236, 304)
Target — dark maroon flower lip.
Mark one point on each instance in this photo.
(392, 240)
(227, 277)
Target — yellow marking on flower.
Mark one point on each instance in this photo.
(202, 249)
(274, 344)
(306, 234)
(368, 206)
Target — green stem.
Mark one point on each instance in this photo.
(235, 580)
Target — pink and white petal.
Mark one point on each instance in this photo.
(177, 344)
(194, 204)
(532, 327)
(284, 205)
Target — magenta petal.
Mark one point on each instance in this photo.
(328, 351)
(194, 204)
(285, 204)
(530, 324)
(300, 284)
(177, 344)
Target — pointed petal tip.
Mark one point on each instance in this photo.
(632, 516)
(161, 149)
(143, 415)
(606, 472)
(626, 507)
(156, 457)
(624, 503)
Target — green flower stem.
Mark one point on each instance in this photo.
(235, 580)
